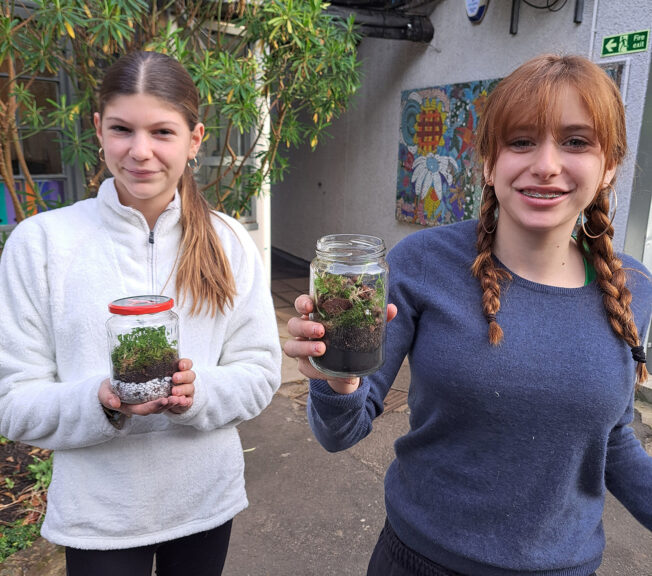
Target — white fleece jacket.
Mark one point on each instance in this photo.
(162, 476)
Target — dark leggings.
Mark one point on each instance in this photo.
(201, 554)
(393, 558)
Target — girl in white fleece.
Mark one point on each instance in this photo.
(164, 477)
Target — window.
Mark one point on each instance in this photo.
(212, 164)
(42, 154)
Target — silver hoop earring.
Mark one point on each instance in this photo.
(481, 218)
(193, 164)
(100, 154)
(613, 215)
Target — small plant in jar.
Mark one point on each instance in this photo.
(144, 354)
(348, 285)
(144, 348)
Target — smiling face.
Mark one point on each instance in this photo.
(544, 178)
(147, 144)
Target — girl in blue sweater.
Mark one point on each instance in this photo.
(515, 435)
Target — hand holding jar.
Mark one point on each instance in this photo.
(179, 401)
(306, 344)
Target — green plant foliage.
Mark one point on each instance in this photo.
(41, 471)
(277, 71)
(17, 536)
(3, 238)
(142, 348)
(28, 502)
(343, 300)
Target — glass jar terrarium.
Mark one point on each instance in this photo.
(348, 285)
(143, 347)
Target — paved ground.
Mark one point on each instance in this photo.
(315, 513)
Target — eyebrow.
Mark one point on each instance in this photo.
(561, 128)
(577, 128)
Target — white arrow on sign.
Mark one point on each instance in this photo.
(611, 45)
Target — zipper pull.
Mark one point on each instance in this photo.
(151, 236)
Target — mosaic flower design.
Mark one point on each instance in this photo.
(438, 179)
(432, 171)
(430, 127)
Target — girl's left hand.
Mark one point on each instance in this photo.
(183, 391)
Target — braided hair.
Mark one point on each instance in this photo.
(530, 93)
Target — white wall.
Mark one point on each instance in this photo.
(348, 184)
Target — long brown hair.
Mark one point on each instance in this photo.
(204, 272)
(529, 94)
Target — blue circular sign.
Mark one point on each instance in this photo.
(475, 9)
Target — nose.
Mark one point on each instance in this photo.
(547, 159)
(140, 148)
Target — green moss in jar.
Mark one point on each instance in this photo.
(348, 286)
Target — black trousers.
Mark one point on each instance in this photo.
(201, 554)
(393, 558)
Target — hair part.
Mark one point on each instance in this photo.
(531, 95)
(204, 273)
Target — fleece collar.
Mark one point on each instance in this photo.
(123, 218)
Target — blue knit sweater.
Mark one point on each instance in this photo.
(510, 448)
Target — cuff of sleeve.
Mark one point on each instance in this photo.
(115, 418)
(321, 391)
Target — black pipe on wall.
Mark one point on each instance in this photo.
(377, 4)
(390, 25)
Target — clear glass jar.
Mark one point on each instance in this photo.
(143, 347)
(348, 285)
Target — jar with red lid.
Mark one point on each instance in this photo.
(143, 347)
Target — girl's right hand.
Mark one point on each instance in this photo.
(301, 348)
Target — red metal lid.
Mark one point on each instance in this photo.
(141, 305)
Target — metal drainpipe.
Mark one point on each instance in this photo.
(389, 25)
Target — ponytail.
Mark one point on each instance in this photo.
(204, 271)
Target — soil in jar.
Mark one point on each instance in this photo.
(351, 309)
(143, 364)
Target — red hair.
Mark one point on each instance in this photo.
(532, 95)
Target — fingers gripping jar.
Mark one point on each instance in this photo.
(348, 285)
(143, 346)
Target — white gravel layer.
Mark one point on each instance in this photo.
(139, 392)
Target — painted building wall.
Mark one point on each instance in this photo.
(349, 183)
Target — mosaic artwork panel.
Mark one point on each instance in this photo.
(438, 177)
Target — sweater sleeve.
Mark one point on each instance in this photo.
(248, 372)
(339, 421)
(35, 406)
(628, 473)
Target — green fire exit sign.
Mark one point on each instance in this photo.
(625, 43)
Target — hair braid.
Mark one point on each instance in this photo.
(484, 268)
(611, 276)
